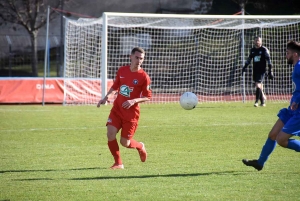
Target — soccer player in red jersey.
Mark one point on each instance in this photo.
(133, 86)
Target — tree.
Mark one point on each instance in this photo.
(30, 14)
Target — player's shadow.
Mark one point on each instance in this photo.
(135, 176)
(162, 175)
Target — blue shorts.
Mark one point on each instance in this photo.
(291, 121)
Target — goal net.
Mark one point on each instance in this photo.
(203, 54)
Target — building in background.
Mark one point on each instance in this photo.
(15, 42)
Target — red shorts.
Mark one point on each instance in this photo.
(128, 127)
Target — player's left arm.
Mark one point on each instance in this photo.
(127, 104)
(248, 61)
(146, 90)
(296, 97)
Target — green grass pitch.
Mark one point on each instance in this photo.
(60, 153)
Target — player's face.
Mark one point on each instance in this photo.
(289, 56)
(257, 42)
(137, 59)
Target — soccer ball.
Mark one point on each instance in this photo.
(188, 100)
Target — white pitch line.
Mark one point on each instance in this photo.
(104, 127)
(51, 129)
(243, 124)
(10, 110)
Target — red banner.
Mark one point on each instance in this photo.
(31, 91)
(27, 90)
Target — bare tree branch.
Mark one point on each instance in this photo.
(30, 15)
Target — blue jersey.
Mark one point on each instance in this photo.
(290, 118)
(296, 85)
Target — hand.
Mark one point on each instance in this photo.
(102, 102)
(270, 75)
(127, 104)
(243, 70)
(294, 106)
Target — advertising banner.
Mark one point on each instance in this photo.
(30, 90)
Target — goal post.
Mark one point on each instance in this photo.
(198, 53)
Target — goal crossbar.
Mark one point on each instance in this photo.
(183, 16)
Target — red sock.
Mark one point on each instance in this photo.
(135, 144)
(114, 150)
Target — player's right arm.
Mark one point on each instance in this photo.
(248, 61)
(104, 100)
(111, 90)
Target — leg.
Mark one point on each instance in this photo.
(267, 149)
(114, 147)
(128, 131)
(130, 143)
(263, 94)
(259, 93)
(258, 78)
(284, 140)
(270, 143)
(294, 144)
(127, 140)
(113, 126)
(292, 126)
(111, 132)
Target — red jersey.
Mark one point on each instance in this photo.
(130, 85)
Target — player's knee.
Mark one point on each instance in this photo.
(282, 140)
(272, 135)
(124, 142)
(111, 132)
(111, 136)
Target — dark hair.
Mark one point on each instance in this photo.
(256, 37)
(293, 46)
(137, 49)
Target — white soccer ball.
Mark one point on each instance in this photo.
(188, 100)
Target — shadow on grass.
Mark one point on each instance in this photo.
(162, 175)
(51, 170)
(140, 176)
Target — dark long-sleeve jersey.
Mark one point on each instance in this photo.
(260, 57)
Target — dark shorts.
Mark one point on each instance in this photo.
(291, 121)
(258, 77)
